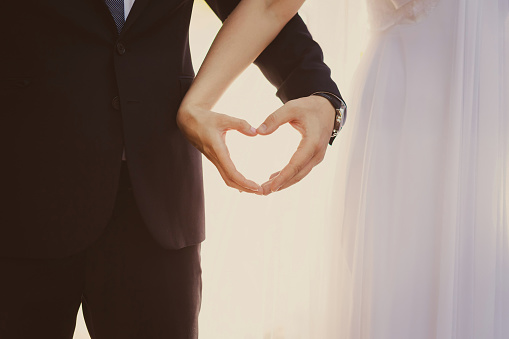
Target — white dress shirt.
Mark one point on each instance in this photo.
(128, 4)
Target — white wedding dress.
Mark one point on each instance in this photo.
(423, 247)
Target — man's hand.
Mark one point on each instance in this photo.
(313, 117)
(206, 130)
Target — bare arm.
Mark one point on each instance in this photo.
(244, 35)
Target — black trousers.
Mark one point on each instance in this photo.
(129, 286)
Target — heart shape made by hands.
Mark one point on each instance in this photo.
(257, 158)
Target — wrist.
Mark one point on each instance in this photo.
(189, 114)
(189, 105)
(340, 112)
(327, 110)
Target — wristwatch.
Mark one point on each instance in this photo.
(340, 107)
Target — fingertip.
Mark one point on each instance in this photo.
(247, 130)
(266, 189)
(277, 188)
(277, 182)
(254, 187)
(273, 175)
(262, 129)
(258, 190)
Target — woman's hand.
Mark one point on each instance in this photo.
(206, 130)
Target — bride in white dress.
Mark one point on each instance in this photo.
(424, 215)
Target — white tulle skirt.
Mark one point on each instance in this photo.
(423, 247)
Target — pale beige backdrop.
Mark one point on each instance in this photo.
(264, 258)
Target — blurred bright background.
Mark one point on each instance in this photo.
(265, 259)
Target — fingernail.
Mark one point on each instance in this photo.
(266, 192)
(262, 128)
(252, 189)
(277, 189)
(253, 130)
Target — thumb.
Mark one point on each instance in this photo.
(273, 121)
(242, 126)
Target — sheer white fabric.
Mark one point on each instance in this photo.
(424, 234)
(386, 13)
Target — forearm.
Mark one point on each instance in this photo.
(244, 35)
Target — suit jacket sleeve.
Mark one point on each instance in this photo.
(293, 62)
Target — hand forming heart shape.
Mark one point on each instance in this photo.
(312, 116)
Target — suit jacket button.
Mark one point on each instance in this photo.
(116, 103)
(120, 48)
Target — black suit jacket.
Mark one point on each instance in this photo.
(74, 92)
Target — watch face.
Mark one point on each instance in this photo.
(342, 111)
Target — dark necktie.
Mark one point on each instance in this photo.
(117, 11)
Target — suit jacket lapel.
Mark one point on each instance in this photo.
(138, 7)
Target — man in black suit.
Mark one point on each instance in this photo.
(81, 91)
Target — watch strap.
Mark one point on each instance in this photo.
(340, 117)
